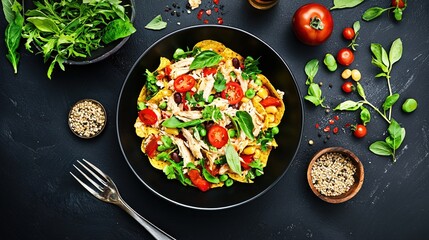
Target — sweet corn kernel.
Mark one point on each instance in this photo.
(346, 73)
(257, 154)
(172, 131)
(356, 75)
(245, 99)
(256, 99)
(249, 150)
(271, 109)
(271, 118)
(263, 93)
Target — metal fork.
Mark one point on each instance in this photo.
(108, 192)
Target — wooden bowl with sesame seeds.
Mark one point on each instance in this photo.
(335, 174)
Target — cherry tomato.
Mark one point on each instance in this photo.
(198, 181)
(270, 101)
(209, 71)
(217, 136)
(148, 116)
(398, 3)
(151, 147)
(246, 160)
(167, 70)
(359, 131)
(312, 24)
(233, 93)
(184, 83)
(345, 57)
(348, 33)
(348, 87)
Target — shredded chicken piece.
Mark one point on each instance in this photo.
(281, 93)
(223, 169)
(183, 150)
(243, 83)
(185, 116)
(192, 143)
(206, 86)
(211, 157)
(181, 67)
(220, 103)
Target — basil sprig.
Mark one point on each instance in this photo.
(314, 93)
(204, 59)
(374, 12)
(389, 146)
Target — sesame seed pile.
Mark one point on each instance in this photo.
(332, 174)
(87, 118)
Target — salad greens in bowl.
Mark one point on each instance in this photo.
(186, 91)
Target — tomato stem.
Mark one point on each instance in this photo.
(316, 23)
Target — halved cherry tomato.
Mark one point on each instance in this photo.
(345, 57)
(148, 116)
(270, 101)
(198, 181)
(217, 136)
(209, 71)
(233, 93)
(167, 70)
(247, 159)
(151, 147)
(184, 83)
(348, 33)
(359, 131)
(312, 24)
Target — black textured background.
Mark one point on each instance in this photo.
(40, 200)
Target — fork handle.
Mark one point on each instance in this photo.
(156, 232)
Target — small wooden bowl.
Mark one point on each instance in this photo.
(358, 175)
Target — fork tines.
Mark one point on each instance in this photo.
(88, 168)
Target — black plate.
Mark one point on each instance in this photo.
(271, 65)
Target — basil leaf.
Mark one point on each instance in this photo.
(348, 105)
(397, 133)
(384, 57)
(380, 58)
(338, 4)
(390, 100)
(44, 24)
(245, 122)
(397, 14)
(204, 59)
(9, 14)
(330, 62)
(395, 52)
(360, 90)
(156, 23)
(356, 26)
(173, 122)
(365, 115)
(209, 177)
(13, 34)
(232, 158)
(311, 69)
(117, 29)
(381, 148)
(314, 90)
(316, 101)
(251, 69)
(372, 13)
(381, 75)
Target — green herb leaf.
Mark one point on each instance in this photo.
(156, 23)
(173, 122)
(330, 62)
(372, 13)
(390, 100)
(395, 52)
(44, 24)
(13, 33)
(204, 59)
(311, 69)
(356, 26)
(151, 86)
(220, 82)
(365, 115)
(9, 14)
(397, 134)
(251, 68)
(348, 105)
(117, 29)
(232, 158)
(209, 177)
(381, 148)
(212, 113)
(245, 122)
(397, 13)
(314, 94)
(360, 90)
(339, 4)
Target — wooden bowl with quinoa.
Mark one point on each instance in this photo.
(335, 174)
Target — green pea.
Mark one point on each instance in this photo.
(231, 133)
(250, 93)
(210, 99)
(258, 82)
(223, 177)
(409, 105)
(330, 62)
(203, 132)
(163, 105)
(275, 130)
(229, 182)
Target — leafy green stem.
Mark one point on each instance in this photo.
(377, 110)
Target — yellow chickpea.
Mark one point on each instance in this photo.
(271, 109)
(249, 150)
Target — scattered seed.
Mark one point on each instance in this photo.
(87, 118)
(310, 142)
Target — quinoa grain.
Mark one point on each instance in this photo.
(87, 118)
